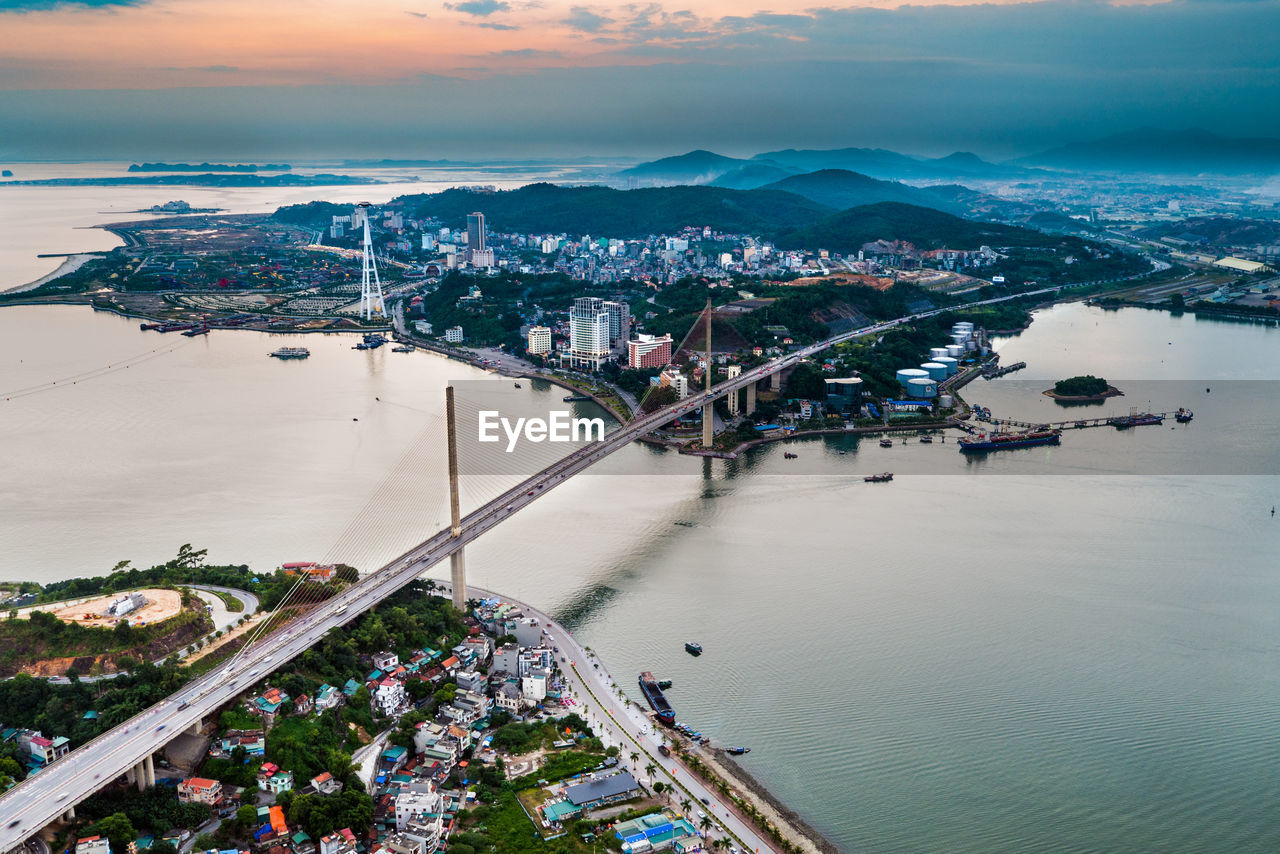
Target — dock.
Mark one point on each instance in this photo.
(983, 415)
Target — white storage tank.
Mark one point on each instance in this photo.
(952, 365)
(922, 388)
(936, 353)
(964, 326)
(906, 375)
(961, 341)
(955, 351)
(946, 401)
(937, 370)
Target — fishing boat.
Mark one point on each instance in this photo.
(403, 348)
(928, 440)
(664, 684)
(737, 751)
(517, 385)
(1183, 415)
(886, 443)
(883, 477)
(693, 648)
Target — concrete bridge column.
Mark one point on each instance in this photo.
(140, 775)
(775, 381)
(150, 767)
(195, 727)
(751, 399)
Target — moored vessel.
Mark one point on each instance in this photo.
(292, 353)
(652, 693)
(1006, 441)
(693, 648)
(883, 477)
(1183, 415)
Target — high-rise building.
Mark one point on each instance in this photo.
(649, 351)
(539, 340)
(476, 237)
(619, 321)
(588, 333)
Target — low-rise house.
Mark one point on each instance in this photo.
(603, 790)
(278, 782)
(253, 742)
(268, 705)
(394, 757)
(328, 697)
(326, 784)
(533, 687)
(350, 688)
(93, 845)
(302, 705)
(200, 790)
(386, 660)
(470, 680)
(507, 698)
(339, 842)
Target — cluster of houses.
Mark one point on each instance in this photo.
(36, 752)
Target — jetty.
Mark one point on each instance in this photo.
(984, 415)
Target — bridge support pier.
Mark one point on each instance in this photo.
(708, 410)
(457, 560)
(751, 399)
(69, 815)
(775, 381)
(144, 774)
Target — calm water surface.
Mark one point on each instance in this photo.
(954, 661)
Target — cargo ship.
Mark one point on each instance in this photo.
(652, 693)
(1005, 441)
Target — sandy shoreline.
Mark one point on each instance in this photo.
(70, 265)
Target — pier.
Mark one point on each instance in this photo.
(984, 416)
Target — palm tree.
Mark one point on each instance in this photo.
(650, 769)
(685, 803)
(635, 757)
(705, 823)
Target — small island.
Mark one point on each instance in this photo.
(1082, 389)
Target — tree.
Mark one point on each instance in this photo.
(118, 830)
(685, 803)
(650, 769)
(246, 817)
(635, 757)
(204, 842)
(705, 823)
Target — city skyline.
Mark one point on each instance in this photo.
(491, 78)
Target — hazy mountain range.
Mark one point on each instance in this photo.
(1146, 151)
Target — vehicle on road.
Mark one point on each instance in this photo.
(184, 704)
(162, 726)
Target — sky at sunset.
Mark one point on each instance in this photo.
(133, 78)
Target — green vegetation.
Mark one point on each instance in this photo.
(1082, 386)
(43, 636)
(126, 813)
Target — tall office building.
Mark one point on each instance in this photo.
(476, 237)
(588, 333)
(619, 321)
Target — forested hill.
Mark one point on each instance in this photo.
(789, 219)
(622, 213)
(848, 230)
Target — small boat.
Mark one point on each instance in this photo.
(883, 477)
(403, 348)
(1183, 415)
(517, 385)
(789, 456)
(199, 330)
(737, 751)
(693, 648)
(1135, 419)
(664, 684)
(292, 353)
(928, 440)
(886, 443)
(575, 398)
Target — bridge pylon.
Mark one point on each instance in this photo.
(457, 560)
(708, 408)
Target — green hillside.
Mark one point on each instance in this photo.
(848, 230)
(620, 213)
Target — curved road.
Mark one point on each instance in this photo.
(39, 800)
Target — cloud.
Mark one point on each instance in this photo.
(480, 8)
(416, 14)
(494, 25)
(217, 69)
(583, 19)
(527, 53)
(45, 5)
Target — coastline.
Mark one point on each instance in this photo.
(69, 265)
